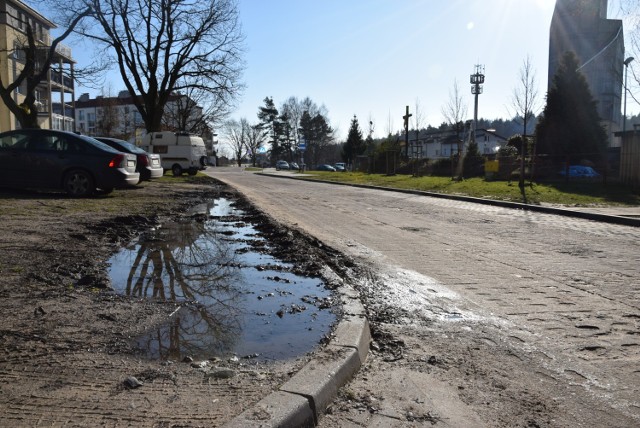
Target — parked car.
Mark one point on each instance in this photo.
(580, 171)
(293, 166)
(148, 164)
(48, 159)
(325, 167)
(340, 166)
(282, 165)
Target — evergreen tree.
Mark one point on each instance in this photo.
(318, 134)
(355, 143)
(473, 161)
(570, 129)
(269, 120)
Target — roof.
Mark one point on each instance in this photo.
(20, 5)
(114, 101)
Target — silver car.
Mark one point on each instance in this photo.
(149, 164)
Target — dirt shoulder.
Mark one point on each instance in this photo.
(67, 355)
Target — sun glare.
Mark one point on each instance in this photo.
(470, 26)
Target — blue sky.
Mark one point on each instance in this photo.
(371, 58)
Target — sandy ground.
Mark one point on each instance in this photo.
(66, 351)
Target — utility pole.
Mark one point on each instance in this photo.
(406, 131)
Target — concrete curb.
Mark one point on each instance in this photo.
(626, 221)
(302, 400)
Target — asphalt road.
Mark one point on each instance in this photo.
(541, 313)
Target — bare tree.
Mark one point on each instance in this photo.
(194, 110)
(293, 109)
(36, 60)
(236, 133)
(291, 113)
(256, 138)
(418, 118)
(455, 111)
(107, 114)
(525, 103)
(162, 47)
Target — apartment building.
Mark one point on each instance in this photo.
(108, 116)
(55, 95)
(119, 117)
(582, 27)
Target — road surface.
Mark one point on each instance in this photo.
(482, 315)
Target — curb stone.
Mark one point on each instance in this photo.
(302, 400)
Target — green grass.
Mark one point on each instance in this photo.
(574, 193)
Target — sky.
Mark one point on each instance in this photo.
(372, 58)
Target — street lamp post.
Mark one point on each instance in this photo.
(626, 72)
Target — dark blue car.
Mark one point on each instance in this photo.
(48, 159)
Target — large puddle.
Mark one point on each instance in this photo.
(233, 299)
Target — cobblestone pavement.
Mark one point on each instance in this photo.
(562, 294)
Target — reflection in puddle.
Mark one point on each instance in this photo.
(232, 299)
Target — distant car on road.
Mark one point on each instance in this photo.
(281, 165)
(325, 167)
(340, 166)
(580, 171)
(149, 164)
(293, 166)
(48, 159)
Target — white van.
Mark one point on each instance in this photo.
(179, 152)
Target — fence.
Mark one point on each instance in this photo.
(630, 159)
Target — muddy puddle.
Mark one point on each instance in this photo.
(233, 297)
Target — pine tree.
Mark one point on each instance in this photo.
(354, 145)
(569, 129)
(473, 161)
(268, 115)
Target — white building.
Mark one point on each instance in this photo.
(119, 117)
(444, 144)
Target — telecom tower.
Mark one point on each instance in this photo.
(477, 79)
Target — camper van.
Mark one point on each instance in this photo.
(180, 152)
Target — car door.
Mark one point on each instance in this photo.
(42, 160)
(13, 153)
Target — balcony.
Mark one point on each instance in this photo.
(43, 107)
(61, 49)
(61, 79)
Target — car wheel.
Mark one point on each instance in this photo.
(78, 183)
(193, 171)
(176, 170)
(203, 161)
